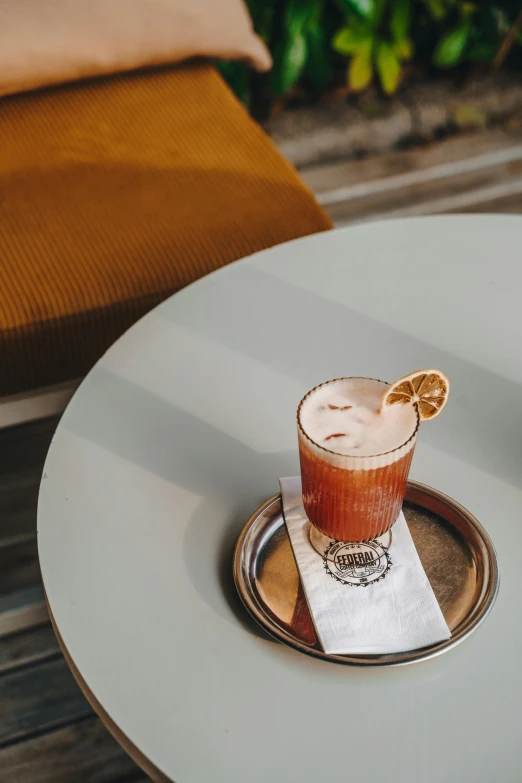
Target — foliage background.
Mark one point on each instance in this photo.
(323, 45)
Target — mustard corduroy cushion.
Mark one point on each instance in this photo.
(118, 192)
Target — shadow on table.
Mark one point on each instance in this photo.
(164, 440)
(199, 555)
(284, 326)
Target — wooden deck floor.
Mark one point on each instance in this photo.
(48, 733)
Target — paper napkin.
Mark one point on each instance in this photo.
(364, 598)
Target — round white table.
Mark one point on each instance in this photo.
(182, 430)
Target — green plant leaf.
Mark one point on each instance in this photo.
(379, 11)
(262, 14)
(297, 14)
(403, 49)
(437, 8)
(467, 10)
(318, 63)
(360, 70)
(389, 68)
(450, 49)
(481, 52)
(316, 15)
(350, 40)
(289, 61)
(363, 8)
(400, 20)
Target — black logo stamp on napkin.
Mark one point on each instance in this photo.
(359, 565)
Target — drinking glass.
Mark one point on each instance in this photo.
(352, 498)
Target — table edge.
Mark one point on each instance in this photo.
(135, 754)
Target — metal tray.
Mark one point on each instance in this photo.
(455, 550)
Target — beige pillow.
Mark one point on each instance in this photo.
(48, 41)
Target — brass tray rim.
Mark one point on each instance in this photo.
(467, 626)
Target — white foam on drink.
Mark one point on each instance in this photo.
(345, 416)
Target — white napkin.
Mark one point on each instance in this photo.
(368, 600)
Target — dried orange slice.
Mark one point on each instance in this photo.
(429, 389)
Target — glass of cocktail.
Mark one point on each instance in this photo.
(356, 442)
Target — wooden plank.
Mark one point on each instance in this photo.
(18, 501)
(466, 186)
(82, 753)
(22, 609)
(36, 404)
(472, 169)
(511, 205)
(327, 177)
(19, 567)
(28, 647)
(39, 698)
(25, 447)
(22, 453)
(456, 174)
(501, 198)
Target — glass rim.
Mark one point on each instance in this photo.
(353, 456)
